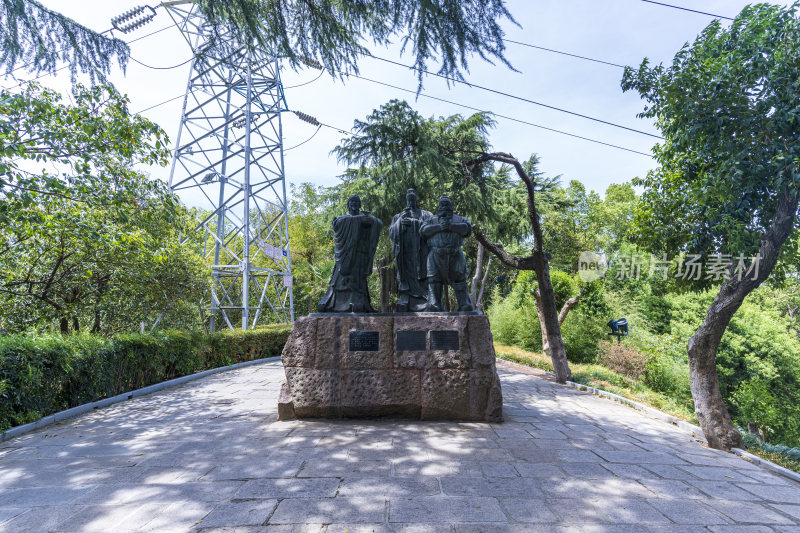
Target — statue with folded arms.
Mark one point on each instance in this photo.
(445, 233)
(355, 240)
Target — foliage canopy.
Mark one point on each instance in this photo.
(334, 32)
(41, 38)
(729, 108)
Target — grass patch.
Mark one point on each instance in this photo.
(776, 457)
(601, 377)
(777, 453)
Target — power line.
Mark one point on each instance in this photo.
(465, 106)
(315, 122)
(504, 116)
(302, 143)
(160, 68)
(340, 130)
(306, 83)
(687, 9)
(159, 104)
(564, 53)
(151, 33)
(523, 99)
(59, 69)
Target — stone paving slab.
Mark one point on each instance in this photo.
(211, 455)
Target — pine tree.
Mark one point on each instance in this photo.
(331, 32)
(38, 39)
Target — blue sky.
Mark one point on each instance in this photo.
(618, 31)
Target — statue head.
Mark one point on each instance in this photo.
(411, 199)
(445, 208)
(354, 204)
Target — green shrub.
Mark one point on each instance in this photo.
(581, 334)
(43, 374)
(668, 375)
(514, 321)
(757, 405)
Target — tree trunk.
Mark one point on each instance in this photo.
(708, 402)
(96, 324)
(64, 325)
(479, 301)
(537, 261)
(558, 353)
(473, 290)
(752, 428)
(562, 315)
(569, 304)
(383, 273)
(537, 298)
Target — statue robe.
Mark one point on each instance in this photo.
(355, 241)
(411, 256)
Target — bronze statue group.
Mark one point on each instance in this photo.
(427, 251)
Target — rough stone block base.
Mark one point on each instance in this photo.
(358, 366)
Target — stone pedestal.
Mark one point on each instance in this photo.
(416, 365)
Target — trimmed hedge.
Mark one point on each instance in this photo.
(44, 374)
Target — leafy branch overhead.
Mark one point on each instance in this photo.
(335, 32)
(92, 143)
(39, 39)
(332, 32)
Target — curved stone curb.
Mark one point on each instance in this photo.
(80, 409)
(769, 465)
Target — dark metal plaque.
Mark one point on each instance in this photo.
(444, 340)
(364, 341)
(410, 340)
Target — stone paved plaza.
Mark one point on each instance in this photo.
(210, 455)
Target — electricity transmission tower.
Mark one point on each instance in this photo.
(229, 159)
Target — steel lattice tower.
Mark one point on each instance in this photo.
(229, 159)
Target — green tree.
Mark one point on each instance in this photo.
(40, 39)
(89, 145)
(729, 168)
(312, 243)
(93, 246)
(396, 149)
(85, 266)
(616, 216)
(333, 32)
(571, 224)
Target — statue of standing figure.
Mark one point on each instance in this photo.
(411, 255)
(355, 240)
(445, 232)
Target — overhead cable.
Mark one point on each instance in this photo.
(687, 9)
(520, 98)
(504, 116)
